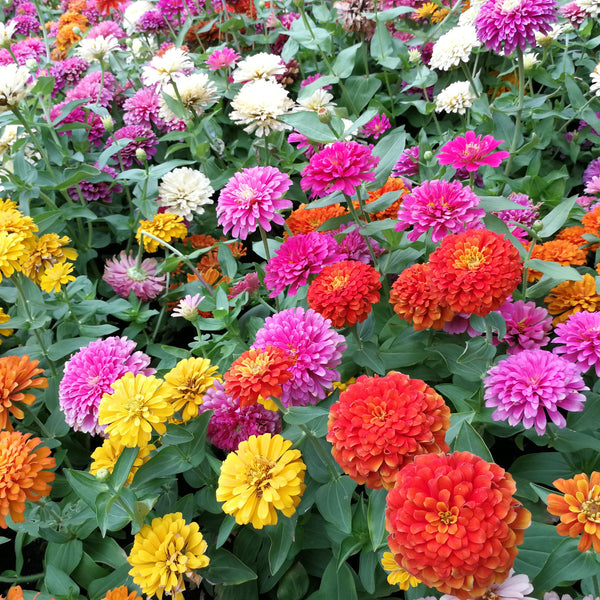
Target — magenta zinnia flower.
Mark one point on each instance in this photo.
(527, 326)
(252, 198)
(124, 276)
(579, 340)
(90, 372)
(299, 257)
(443, 206)
(316, 347)
(141, 138)
(471, 152)
(98, 191)
(339, 166)
(526, 216)
(221, 59)
(376, 127)
(533, 385)
(514, 23)
(249, 284)
(142, 108)
(408, 163)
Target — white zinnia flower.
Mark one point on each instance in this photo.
(14, 85)
(259, 66)
(133, 12)
(161, 69)
(457, 97)
(6, 32)
(530, 60)
(595, 77)
(590, 7)
(468, 17)
(196, 93)
(97, 49)
(8, 138)
(454, 47)
(184, 192)
(320, 99)
(143, 48)
(513, 588)
(258, 104)
(547, 39)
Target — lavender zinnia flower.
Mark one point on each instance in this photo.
(579, 340)
(527, 326)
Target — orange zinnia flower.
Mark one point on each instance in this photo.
(68, 21)
(393, 184)
(121, 593)
(591, 222)
(578, 509)
(573, 235)
(258, 373)
(17, 374)
(305, 220)
(563, 252)
(24, 473)
(571, 297)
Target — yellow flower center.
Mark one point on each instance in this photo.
(338, 282)
(470, 260)
(379, 414)
(591, 509)
(490, 595)
(447, 518)
(135, 403)
(259, 473)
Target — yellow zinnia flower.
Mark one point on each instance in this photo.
(397, 575)
(3, 319)
(56, 276)
(187, 383)
(263, 475)
(138, 404)
(44, 252)
(164, 552)
(11, 253)
(14, 221)
(165, 226)
(106, 456)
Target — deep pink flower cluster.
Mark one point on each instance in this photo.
(142, 108)
(408, 163)
(141, 138)
(23, 50)
(79, 115)
(97, 191)
(67, 72)
(94, 87)
(222, 59)
(527, 326)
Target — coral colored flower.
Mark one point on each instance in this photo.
(416, 301)
(559, 251)
(571, 297)
(396, 574)
(17, 373)
(262, 476)
(440, 206)
(454, 522)
(339, 166)
(578, 340)
(527, 326)
(251, 199)
(471, 152)
(299, 257)
(258, 372)
(344, 292)
(475, 271)
(124, 275)
(137, 405)
(187, 383)
(24, 473)
(578, 509)
(393, 184)
(222, 59)
(165, 226)
(121, 593)
(531, 386)
(307, 220)
(379, 424)
(164, 552)
(107, 455)
(315, 347)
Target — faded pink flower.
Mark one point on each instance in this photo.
(125, 276)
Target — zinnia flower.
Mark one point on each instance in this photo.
(142, 139)
(185, 192)
(396, 574)
(14, 85)
(222, 59)
(315, 346)
(471, 152)
(455, 98)
(379, 424)
(97, 49)
(376, 127)
(578, 509)
(53, 278)
(124, 275)
(305, 220)
(194, 91)
(339, 166)
(259, 66)
(454, 47)
(531, 386)
(344, 292)
(454, 522)
(164, 552)
(121, 593)
(24, 473)
(514, 587)
(262, 476)
(187, 307)
(251, 199)
(475, 271)
(571, 297)
(165, 226)
(408, 163)
(578, 340)
(527, 326)
(161, 69)
(563, 252)
(107, 455)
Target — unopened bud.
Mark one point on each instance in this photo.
(102, 475)
(414, 56)
(108, 123)
(537, 226)
(76, 30)
(261, 4)
(427, 155)
(324, 115)
(141, 155)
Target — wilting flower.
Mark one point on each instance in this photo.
(514, 587)
(165, 226)
(460, 535)
(344, 292)
(222, 59)
(339, 166)
(194, 91)
(453, 47)
(578, 340)
(578, 509)
(471, 152)
(251, 199)
(161, 69)
(455, 98)
(90, 372)
(316, 347)
(571, 297)
(164, 552)
(396, 574)
(259, 66)
(262, 476)
(124, 275)
(379, 424)
(14, 85)
(186, 384)
(185, 192)
(24, 473)
(475, 271)
(531, 386)
(107, 455)
(527, 326)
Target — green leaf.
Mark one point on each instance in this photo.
(226, 261)
(334, 502)
(456, 422)
(227, 526)
(75, 175)
(123, 466)
(118, 577)
(112, 150)
(557, 217)
(282, 537)
(468, 439)
(540, 467)
(344, 63)
(43, 86)
(382, 47)
(65, 347)
(59, 584)
(361, 89)
(175, 434)
(369, 357)
(553, 270)
(308, 124)
(64, 556)
(389, 150)
(366, 571)
(86, 486)
(225, 567)
(376, 517)
(338, 584)
(167, 462)
(105, 551)
(294, 584)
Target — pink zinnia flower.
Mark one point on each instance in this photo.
(252, 198)
(142, 108)
(187, 307)
(124, 275)
(339, 166)
(526, 216)
(222, 59)
(97, 191)
(90, 372)
(442, 206)
(579, 340)
(376, 127)
(513, 23)
(90, 85)
(316, 347)
(231, 423)
(249, 284)
(79, 115)
(303, 142)
(527, 326)
(471, 152)
(592, 170)
(526, 386)
(353, 246)
(67, 72)
(105, 28)
(141, 138)
(408, 163)
(573, 13)
(593, 185)
(299, 257)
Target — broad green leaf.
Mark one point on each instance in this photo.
(225, 567)
(376, 517)
(294, 584)
(59, 584)
(282, 538)
(338, 584)
(553, 270)
(334, 502)
(468, 439)
(105, 551)
(557, 217)
(344, 62)
(368, 564)
(64, 556)
(122, 467)
(86, 486)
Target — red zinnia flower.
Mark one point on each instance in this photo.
(454, 522)
(379, 424)
(105, 7)
(258, 372)
(344, 292)
(415, 301)
(475, 271)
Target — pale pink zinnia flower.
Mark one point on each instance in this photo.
(578, 340)
(124, 276)
(222, 59)
(249, 284)
(442, 206)
(593, 185)
(252, 198)
(187, 308)
(513, 588)
(471, 152)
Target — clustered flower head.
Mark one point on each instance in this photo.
(454, 47)
(527, 326)
(194, 91)
(107, 455)
(454, 523)
(455, 98)
(578, 340)
(379, 424)
(165, 226)
(14, 85)
(259, 66)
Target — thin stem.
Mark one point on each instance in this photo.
(515, 140)
(22, 578)
(263, 237)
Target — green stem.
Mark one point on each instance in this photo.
(515, 140)
(22, 578)
(263, 237)
(327, 459)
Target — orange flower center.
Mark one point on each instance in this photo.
(259, 472)
(591, 509)
(471, 259)
(379, 414)
(339, 281)
(446, 518)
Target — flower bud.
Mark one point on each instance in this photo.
(102, 475)
(324, 115)
(427, 155)
(537, 226)
(140, 154)
(108, 123)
